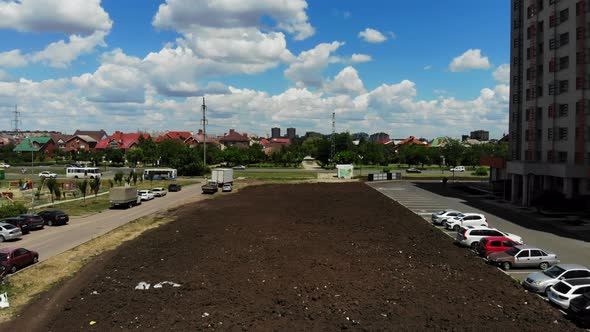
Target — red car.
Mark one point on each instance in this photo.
(15, 258)
(492, 244)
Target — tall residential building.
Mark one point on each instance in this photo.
(275, 132)
(480, 135)
(549, 98)
(291, 133)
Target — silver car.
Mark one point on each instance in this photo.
(540, 282)
(438, 218)
(9, 232)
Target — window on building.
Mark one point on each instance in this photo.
(563, 133)
(552, 88)
(562, 156)
(564, 62)
(563, 110)
(550, 156)
(553, 44)
(580, 33)
(550, 134)
(540, 27)
(564, 15)
(563, 86)
(564, 39)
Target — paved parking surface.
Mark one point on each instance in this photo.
(424, 203)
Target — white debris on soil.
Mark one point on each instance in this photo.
(161, 284)
(144, 285)
(4, 300)
(205, 314)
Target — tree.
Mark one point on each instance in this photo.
(95, 186)
(135, 155)
(83, 186)
(118, 178)
(52, 186)
(453, 152)
(116, 156)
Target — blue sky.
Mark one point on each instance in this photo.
(422, 68)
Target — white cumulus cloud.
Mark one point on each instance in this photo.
(67, 16)
(502, 73)
(60, 54)
(347, 82)
(372, 36)
(12, 59)
(471, 59)
(307, 68)
(358, 58)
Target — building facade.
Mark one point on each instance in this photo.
(549, 113)
(275, 132)
(291, 134)
(480, 135)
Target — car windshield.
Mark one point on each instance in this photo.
(460, 215)
(512, 251)
(554, 271)
(9, 226)
(562, 288)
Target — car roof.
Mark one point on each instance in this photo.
(524, 246)
(497, 238)
(572, 266)
(472, 214)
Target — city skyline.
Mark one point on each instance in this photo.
(405, 69)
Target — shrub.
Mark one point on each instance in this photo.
(386, 169)
(11, 210)
(481, 171)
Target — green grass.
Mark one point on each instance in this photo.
(276, 175)
(83, 207)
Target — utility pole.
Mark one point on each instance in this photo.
(333, 138)
(204, 121)
(16, 121)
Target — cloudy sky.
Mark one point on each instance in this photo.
(425, 67)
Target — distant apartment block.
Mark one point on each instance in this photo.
(291, 133)
(480, 135)
(275, 132)
(549, 115)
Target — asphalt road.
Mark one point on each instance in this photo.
(424, 203)
(52, 241)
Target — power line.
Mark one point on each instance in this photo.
(204, 121)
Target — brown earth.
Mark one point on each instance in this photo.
(294, 257)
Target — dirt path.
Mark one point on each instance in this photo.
(298, 257)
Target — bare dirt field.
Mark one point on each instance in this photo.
(291, 258)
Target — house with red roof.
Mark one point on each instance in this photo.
(175, 135)
(274, 145)
(60, 141)
(120, 140)
(98, 135)
(198, 138)
(409, 140)
(235, 139)
(79, 143)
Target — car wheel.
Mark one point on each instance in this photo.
(35, 259)
(49, 223)
(546, 289)
(544, 266)
(456, 228)
(13, 269)
(506, 266)
(2, 238)
(474, 245)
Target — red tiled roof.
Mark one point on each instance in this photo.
(234, 136)
(411, 140)
(123, 140)
(178, 135)
(96, 134)
(264, 141)
(384, 141)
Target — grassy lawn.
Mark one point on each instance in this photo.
(83, 207)
(276, 175)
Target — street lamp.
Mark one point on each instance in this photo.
(361, 166)
(32, 174)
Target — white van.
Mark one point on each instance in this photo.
(83, 172)
(458, 169)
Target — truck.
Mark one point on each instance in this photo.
(124, 197)
(210, 187)
(222, 176)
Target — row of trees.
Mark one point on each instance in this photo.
(188, 160)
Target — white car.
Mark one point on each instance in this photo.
(438, 218)
(159, 192)
(47, 175)
(145, 195)
(540, 282)
(562, 292)
(3, 165)
(458, 169)
(226, 187)
(470, 236)
(466, 219)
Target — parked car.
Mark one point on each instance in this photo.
(3, 165)
(540, 282)
(458, 169)
(239, 167)
(491, 244)
(523, 256)
(54, 217)
(438, 218)
(565, 290)
(9, 232)
(226, 187)
(18, 222)
(465, 219)
(16, 258)
(159, 192)
(34, 221)
(146, 195)
(174, 187)
(579, 309)
(413, 170)
(47, 175)
(470, 236)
